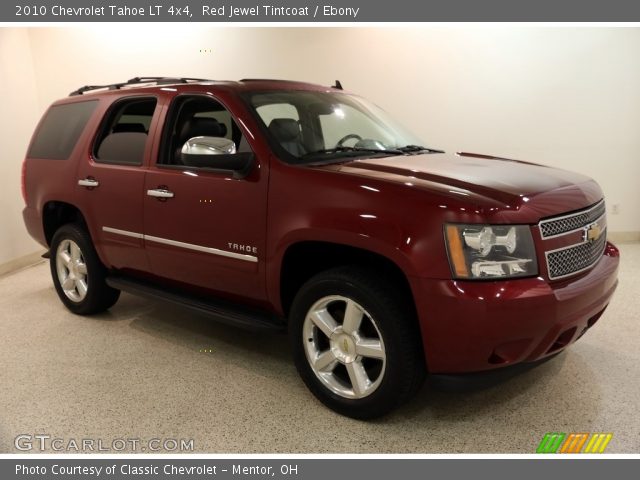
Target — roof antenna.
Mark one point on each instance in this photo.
(338, 85)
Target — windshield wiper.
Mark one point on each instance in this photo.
(418, 148)
(328, 151)
(354, 151)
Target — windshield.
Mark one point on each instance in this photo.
(318, 126)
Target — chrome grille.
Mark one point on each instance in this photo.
(574, 221)
(576, 258)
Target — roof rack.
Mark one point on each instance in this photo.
(138, 81)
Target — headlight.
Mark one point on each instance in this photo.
(490, 251)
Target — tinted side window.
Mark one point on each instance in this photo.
(61, 129)
(195, 116)
(123, 134)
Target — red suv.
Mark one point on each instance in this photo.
(275, 204)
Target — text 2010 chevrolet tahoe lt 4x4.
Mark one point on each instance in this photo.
(272, 203)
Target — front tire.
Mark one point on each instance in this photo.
(78, 275)
(356, 343)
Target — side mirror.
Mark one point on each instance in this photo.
(208, 146)
(216, 153)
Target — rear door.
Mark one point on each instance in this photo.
(202, 227)
(111, 181)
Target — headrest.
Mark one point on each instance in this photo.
(284, 129)
(202, 127)
(129, 127)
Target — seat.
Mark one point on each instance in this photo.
(202, 127)
(287, 132)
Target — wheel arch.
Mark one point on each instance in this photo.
(56, 214)
(303, 259)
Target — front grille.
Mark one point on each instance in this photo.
(574, 221)
(576, 258)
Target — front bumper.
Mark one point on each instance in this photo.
(475, 326)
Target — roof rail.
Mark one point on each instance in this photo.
(337, 85)
(138, 81)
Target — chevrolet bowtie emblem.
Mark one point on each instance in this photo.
(592, 232)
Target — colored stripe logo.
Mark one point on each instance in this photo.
(555, 442)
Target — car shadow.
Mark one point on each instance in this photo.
(533, 390)
(561, 394)
(202, 334)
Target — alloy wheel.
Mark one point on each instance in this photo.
(72, 270)
(344, 347)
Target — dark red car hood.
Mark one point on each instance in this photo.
(472, 172)
(483, 180)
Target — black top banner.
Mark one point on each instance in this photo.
(308, 11)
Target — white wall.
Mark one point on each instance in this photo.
(20, 111)
(568, 97)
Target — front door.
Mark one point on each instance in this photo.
(204, 227)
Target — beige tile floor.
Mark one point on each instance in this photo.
(139, 371)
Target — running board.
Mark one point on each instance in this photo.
(223, 311)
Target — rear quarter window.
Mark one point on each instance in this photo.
(60, 130)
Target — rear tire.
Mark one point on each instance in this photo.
(356, 343)
(78, 275)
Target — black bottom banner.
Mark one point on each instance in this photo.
(318, 469)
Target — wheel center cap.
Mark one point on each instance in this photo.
(343, 347)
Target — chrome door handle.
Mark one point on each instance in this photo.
(88, 182)
(160, 193)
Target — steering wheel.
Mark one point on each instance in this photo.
(348, 137)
